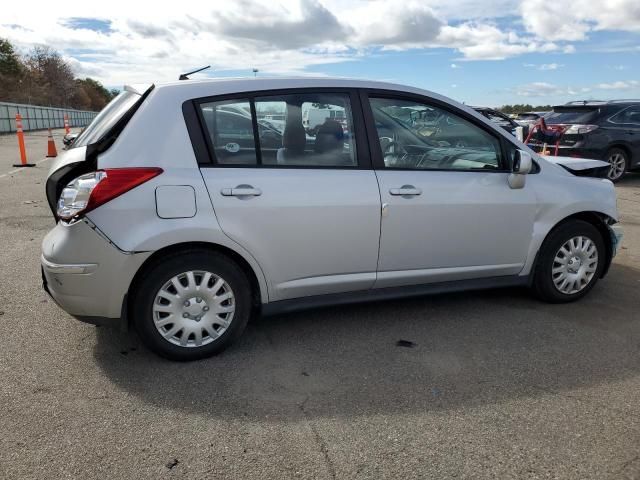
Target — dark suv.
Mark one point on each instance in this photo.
(604, 130)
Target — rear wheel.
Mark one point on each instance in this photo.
(618, 164)
(570, 262)
(192, 305)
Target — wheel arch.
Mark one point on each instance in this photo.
(599, 220)
(622, 146)
(257, 291)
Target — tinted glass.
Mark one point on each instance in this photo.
(230, 130)
(106, 119)
(572, 115)
(312, 130)
(630, 115)
(425, 137)
(527, 116)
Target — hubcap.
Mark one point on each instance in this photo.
(574, 265)
(618, 164)
(193, 308)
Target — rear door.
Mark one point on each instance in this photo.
(305, 204)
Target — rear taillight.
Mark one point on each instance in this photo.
(91, 190)
(580, 129)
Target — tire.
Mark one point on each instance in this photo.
(547, 282)
(219, 310)
(619, 161)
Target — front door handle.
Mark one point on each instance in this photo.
(405, 190)
(241, 191)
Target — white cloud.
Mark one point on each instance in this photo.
(384, 24)
(572, 20)
(141, 44)
(619, 85)
(544, 66)
(545, 89)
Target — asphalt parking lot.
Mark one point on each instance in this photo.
(486, 385)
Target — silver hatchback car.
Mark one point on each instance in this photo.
(185, 208)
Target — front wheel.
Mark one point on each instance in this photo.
(569, 263)
(191, 305)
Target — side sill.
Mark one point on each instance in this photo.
(98, 321)
(373, 295)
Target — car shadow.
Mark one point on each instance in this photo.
(403, 356)
(630, 179)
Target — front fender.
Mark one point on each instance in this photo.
(561, 197)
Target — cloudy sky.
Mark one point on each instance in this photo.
(477, 51)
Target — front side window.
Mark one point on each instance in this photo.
(306, 129)
(418, 136)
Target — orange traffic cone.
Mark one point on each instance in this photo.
(51, 146)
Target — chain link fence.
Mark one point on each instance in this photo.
(38, 118)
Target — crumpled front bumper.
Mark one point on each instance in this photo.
(617, 233)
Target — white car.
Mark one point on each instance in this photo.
(182, 219)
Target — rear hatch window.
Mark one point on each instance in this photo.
(107, 118)
(573, 115)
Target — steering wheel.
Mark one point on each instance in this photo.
(391, 147)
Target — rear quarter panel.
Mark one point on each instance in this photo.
(157, 137)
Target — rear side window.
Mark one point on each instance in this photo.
(630, 115)
(106, 119)
(230, 129)
(295, 130)
(316, 130)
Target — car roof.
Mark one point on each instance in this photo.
(597, 103)
(221, 86)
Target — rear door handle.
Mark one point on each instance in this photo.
(241, 191)
(405, 190)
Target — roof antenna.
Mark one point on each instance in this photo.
(185, 76)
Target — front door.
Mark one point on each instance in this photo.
(448, 210)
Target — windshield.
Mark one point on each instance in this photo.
(106, 119)
(572, 115)
(528, 116)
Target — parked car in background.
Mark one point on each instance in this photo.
(604, 130)
(500, 119)
(68, 139)
(177, 213)
(526, 119)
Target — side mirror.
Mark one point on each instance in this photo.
(522, 164)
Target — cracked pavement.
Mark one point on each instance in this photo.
(475, 385)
